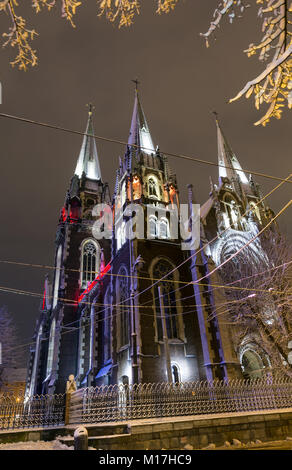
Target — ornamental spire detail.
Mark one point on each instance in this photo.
(88, 161)
(139, 132)
(229, 166)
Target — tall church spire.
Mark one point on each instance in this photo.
(229, 166)
(139, 132)
(88, 161)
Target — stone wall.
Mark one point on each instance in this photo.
(172, 433)
(199, 431)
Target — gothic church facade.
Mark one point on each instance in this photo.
(102, 314)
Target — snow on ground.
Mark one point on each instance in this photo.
(257, 445)
(35, 445)
(234, 445)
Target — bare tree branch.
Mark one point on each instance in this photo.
(265, 318)
(273, 85)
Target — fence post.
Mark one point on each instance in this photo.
(70, 388)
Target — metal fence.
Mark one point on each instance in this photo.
(119, 402)
(29, 412)
(128, 402)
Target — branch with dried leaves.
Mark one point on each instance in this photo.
(273, 86)
(20, 36)
(120, 11)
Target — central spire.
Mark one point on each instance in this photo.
(139, 133)
(229, 166)
(88, 162)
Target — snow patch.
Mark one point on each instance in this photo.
(188, 447)
(38, 445)
(210, 447)
(236, 442)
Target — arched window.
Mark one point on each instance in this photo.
(252, 364)
(163, 228)
(152, 226)
(172, 194)
(121, 235)
(90, 262)
(51, 347)
(175, 373)
(83, 326)
(137, 189)
(106, 332)
(74, 211)
(153, 190)
(122, 293)
(119, 238)
(232, 210)
(92, 335)
(57, 276)
(162, 268)
(123, 193)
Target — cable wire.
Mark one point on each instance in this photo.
(121, 142)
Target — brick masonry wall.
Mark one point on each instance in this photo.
(200, 431)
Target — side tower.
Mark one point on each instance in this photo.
(233, 215)
(77, 263)
(234, 210)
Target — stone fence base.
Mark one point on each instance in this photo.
(172, 432)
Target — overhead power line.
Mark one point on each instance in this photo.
(166, 153)
(142, 306)
(143, 278)
(204, 246)
(245, 245)
(117, 305)
(210, 242)
(102, 319)
(122, 142)
(178, 156)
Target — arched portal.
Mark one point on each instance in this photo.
(252, 365)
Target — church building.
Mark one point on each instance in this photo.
(129, 310)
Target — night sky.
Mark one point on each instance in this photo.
(181, 83)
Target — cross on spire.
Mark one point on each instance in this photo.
(90, 107)
(136, 81)
(215, 114)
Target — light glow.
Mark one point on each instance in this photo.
(95, 281)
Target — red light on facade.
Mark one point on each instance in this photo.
(44, 299)
(93, 283)
(64, 214)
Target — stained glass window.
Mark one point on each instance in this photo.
(169, 299)
(90, 263)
